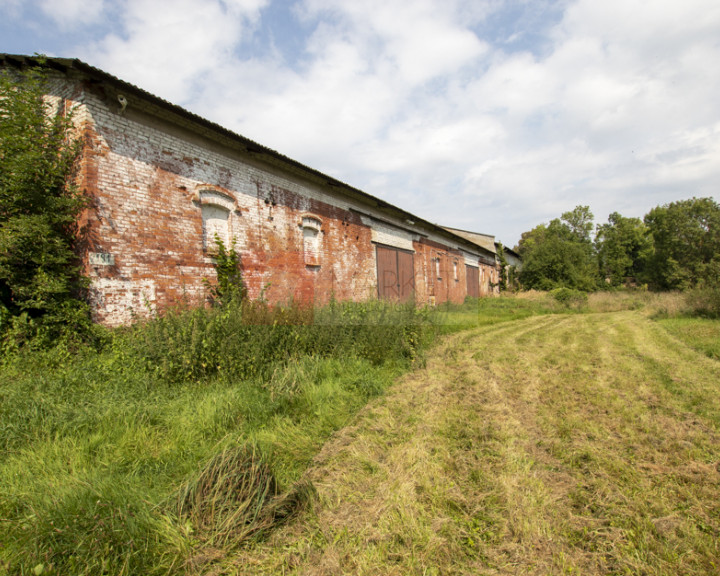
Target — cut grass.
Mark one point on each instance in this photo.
(579, 444)
(531, 443)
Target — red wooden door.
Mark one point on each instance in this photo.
(387, 273)
(395, 273)
(473, 281)
(406, 275)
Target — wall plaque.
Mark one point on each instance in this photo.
(101, 259)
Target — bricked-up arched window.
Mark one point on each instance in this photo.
(311, 240)
(215, 222)
(216, 208)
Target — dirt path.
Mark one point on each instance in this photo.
(585, 444)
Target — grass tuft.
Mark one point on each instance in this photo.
(236, 497)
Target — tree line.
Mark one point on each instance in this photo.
(676, 246)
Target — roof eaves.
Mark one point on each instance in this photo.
(254, 148)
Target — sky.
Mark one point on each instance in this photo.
(486, 115)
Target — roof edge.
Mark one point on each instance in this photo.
(64, 65)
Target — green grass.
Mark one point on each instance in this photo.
(702, 334)
(100, 450)
(450, 318)
(95, 448)
(103, 460)
(564, 444)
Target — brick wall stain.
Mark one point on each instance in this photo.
(143, 176)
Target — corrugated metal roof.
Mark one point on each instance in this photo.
(483, 240)
(69, 65)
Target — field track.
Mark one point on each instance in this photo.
(562, 444)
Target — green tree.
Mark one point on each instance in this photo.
(40, 275)
(623, 247)
(502, 261)
(580, 222)
(560, 254)
(686, 237)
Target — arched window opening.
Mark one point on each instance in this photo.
(215, 220)
(311, 240)
(216, 207)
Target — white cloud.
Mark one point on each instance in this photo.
(73, 13)
(416, 41)
(168, 46)
(492, 115)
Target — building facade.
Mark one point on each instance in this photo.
(165, 183)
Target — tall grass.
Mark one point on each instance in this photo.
(188, 434)
(136, 459)
(249, 339)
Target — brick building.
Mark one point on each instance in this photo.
(164, 182)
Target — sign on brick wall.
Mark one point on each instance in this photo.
(101, 259)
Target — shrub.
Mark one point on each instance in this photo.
(704, 301)
(41, 285)
(245, 339)
(570, 298)
(229, 285)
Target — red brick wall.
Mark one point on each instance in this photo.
(144, 176)
(434, 287)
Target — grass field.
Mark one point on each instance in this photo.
(579, 444)
(529, 439)
(702, 334)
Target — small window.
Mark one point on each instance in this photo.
(455, 270)
(311, 241)
(438, 273)
(214, 224)
(216, 205)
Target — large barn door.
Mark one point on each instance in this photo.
(473, 281)
(387, 273)
(395, 272)
(406, 274)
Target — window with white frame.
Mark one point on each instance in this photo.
(311, 240)
(215, 208)
(214, 225)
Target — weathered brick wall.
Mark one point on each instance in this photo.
(441, 272)
(145, 238)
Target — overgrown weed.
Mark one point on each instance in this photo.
(95, 443)
(250, 339)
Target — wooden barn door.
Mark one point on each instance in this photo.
(406, 274)
(473, 281)
(395, 273)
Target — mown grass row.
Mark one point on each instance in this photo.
(581, 444)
